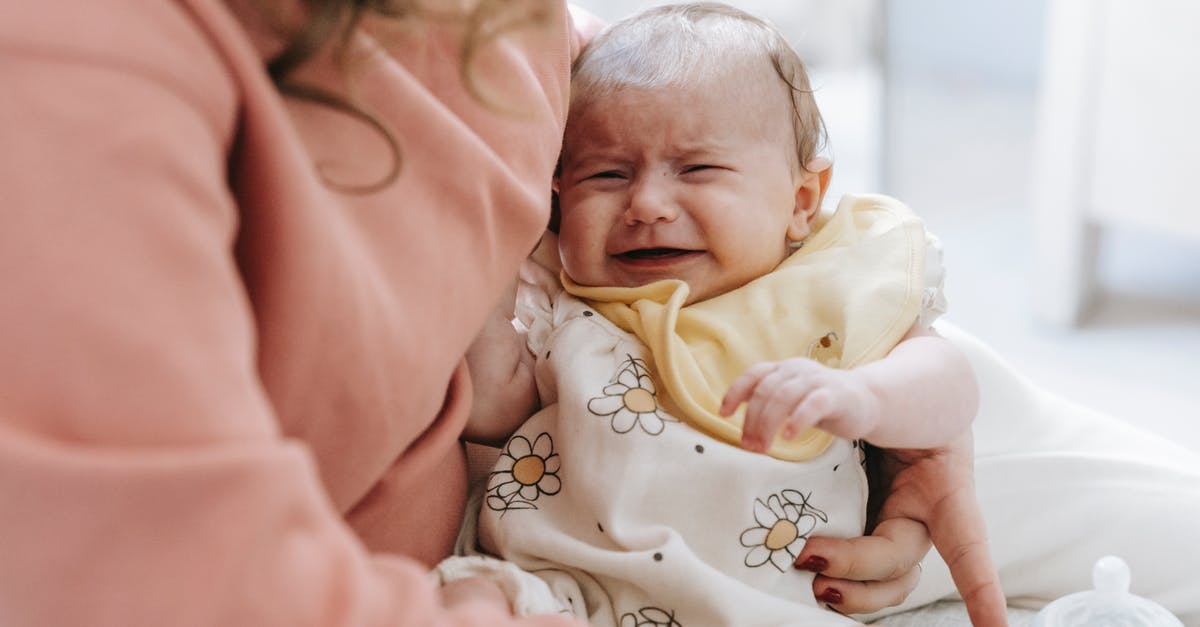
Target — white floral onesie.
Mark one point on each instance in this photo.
(633, 516)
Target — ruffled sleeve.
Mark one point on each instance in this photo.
(933, 296)
(536, 290)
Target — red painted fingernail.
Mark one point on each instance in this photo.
(814, 563)
(831, 596)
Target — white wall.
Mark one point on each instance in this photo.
(993, 40)
(826, 33)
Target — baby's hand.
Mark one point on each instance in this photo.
(799, 393)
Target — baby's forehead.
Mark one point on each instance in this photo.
(736, 67)
(750, 92)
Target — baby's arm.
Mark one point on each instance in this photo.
(923, 394)
(501, 366)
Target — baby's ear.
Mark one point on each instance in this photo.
(813, 181)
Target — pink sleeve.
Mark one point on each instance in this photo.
(143, 478)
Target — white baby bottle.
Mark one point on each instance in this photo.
(1109, 605)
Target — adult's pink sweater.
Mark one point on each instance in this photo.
(230, 390)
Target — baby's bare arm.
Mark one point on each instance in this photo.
(927, 392)
(501, 366)
(922, 394)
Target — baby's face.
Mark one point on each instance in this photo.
(693, 184)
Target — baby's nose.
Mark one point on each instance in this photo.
(650, 201)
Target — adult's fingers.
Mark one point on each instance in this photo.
(890, 552)
(939, 489)
(865, 597)
(868, 573)
(959, 533)
(474, 589)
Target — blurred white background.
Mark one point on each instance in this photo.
(936, 102)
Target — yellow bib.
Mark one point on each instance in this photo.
(846, 298)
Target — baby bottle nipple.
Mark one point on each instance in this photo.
(1110, 604)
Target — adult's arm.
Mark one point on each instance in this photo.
(142, 470)
(500, 364)
(502, 378)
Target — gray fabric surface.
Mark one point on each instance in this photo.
(949, 614)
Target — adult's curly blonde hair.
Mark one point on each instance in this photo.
(334, 21)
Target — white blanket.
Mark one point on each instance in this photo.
(1062, 485)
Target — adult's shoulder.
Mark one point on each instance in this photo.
(190, 48)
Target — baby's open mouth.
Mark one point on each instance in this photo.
(655, 253)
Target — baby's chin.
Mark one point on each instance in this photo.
(593, 282)
(694, 296)
(602, 280)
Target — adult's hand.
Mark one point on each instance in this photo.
(474, 590)
(925, 494)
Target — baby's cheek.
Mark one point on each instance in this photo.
(581, 245)
(580, 264)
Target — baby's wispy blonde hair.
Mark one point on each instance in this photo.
(678, 44)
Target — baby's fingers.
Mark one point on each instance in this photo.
(743, 387)
(772, 406)
(807, 412)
